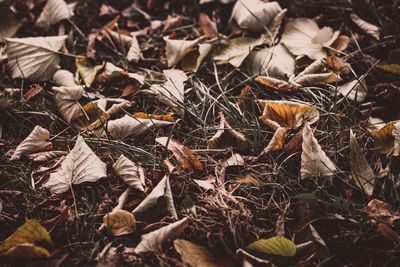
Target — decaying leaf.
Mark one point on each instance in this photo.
(143, 115)
(277, 142)
(314, 162)
(380, 209)
(66, 99)
(34, 58)
(64, 78)
(355, 90)
(185, 157)
(277, 245)
(274, 62)
(387, 138)
(227, 137)
(53, 12)
(30, 240)
(237, 50)
(208, 27)
(46, 155)
(119, 222)
(37, 141)
(80, 165)
(160, 198)
(154, 241)
(177, 49)
(362, 173)
(255, 15)
(302, 36)
(277, 84)
(91, 117)
(87, 71)
(370, 29)
(132, 174)
(128, 127)
(195, 255)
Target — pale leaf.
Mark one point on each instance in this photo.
(208, 184)
(234, 160)
(53, 12)
(362, 173)
(34, 58)
(66, 99)
(195, 255)
(46, 155)
(37, 141)
(64, 78)
(161, 197)
(277, 84)
(314, 162)
(87, 71)
(370, 29)
(154, 241)
(80, 165)
(177, 49)
(132, 174)
(355, 90)
(255, 15)
(134, 52)
(317, 79)
(127, 126)
(237, 50)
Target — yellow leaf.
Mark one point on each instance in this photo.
(120, 222)
(383, 138)
(31, 240)
(163, 117)
(91, 117)
(277, 245)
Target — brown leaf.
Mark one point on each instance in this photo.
(172, 21)
(183, 155)
(276, 84)
(143, 115)
(378, 208)
(195, 255)
(208, 27)
(119, 222)
(36, 89)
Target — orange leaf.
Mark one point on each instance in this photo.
(143, 115)
(36, 89)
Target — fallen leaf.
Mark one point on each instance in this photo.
(37, 141)
(134, 52)
(34, 58)
(128, 127)
(355, 90)
(30, 240)
(208, 27)
(362, 173)
(185, 157)
(314, 162)
(234, 160)
(255, 15)
(277, 245)
(302, 36)
(80, 165)
(226, 136)
(143, 115)
(64, 78)
(380, 209)
(10, 23)
(208, 184)
(154, 241)
(46, 155)
(66, 99)
(317, 79)
(172, 21)
(161, 199)
(90, 117)
(130, 173)
(277, 84)
(176, 50)
(120, 222)
(35, 89)
(53, 12)
(390, 67)
(87, 71)
(370, 29)
(193, 60)
(386, 138)
(195, 255)
(277, 141)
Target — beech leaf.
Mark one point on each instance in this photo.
(132, 174)
(66, 98)
(53, 12)
(195, 255)
(119, 222)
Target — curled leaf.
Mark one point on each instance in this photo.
(64, 78)
(355, 90)
(387, 138)
(80, 165)
(208, 27)
(53, 12)
(119, 222)
(132, 174)
(277, 84)
(87, 71)
(177, 49)
(277, 245)
(30, 240)
(37, 141)
(66, 99)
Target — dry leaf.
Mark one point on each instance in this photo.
(80, 165)
(369, 28)
(362, 173)
(391, 67)
(46, 155)
(302, 36)
(132, 174)
(185, 157)
(227, 137)
(249, 180)
(193, 60)
(355, 90)
(314, 162)
(66, 99)
(10, 24)
(154, 241)
(127, 127)
(134, 52)
(277, 245)
(317, 79)
(208, 27)
(317, 237)
(387, 138)
(91, 117)
(171, 22)
(160, 198)
(53, 12)
(378, 208)
(34, 58)
(119, 222)
(177, 49)
(37, 141)
(277, 84)
(195, 255)
(142, 115)
(237, 50)
(234, 160)
(30, 240)
(87, 71)
(64, 78)
(208, 184)
(277, 142)
(274, 61)
(255, 15)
